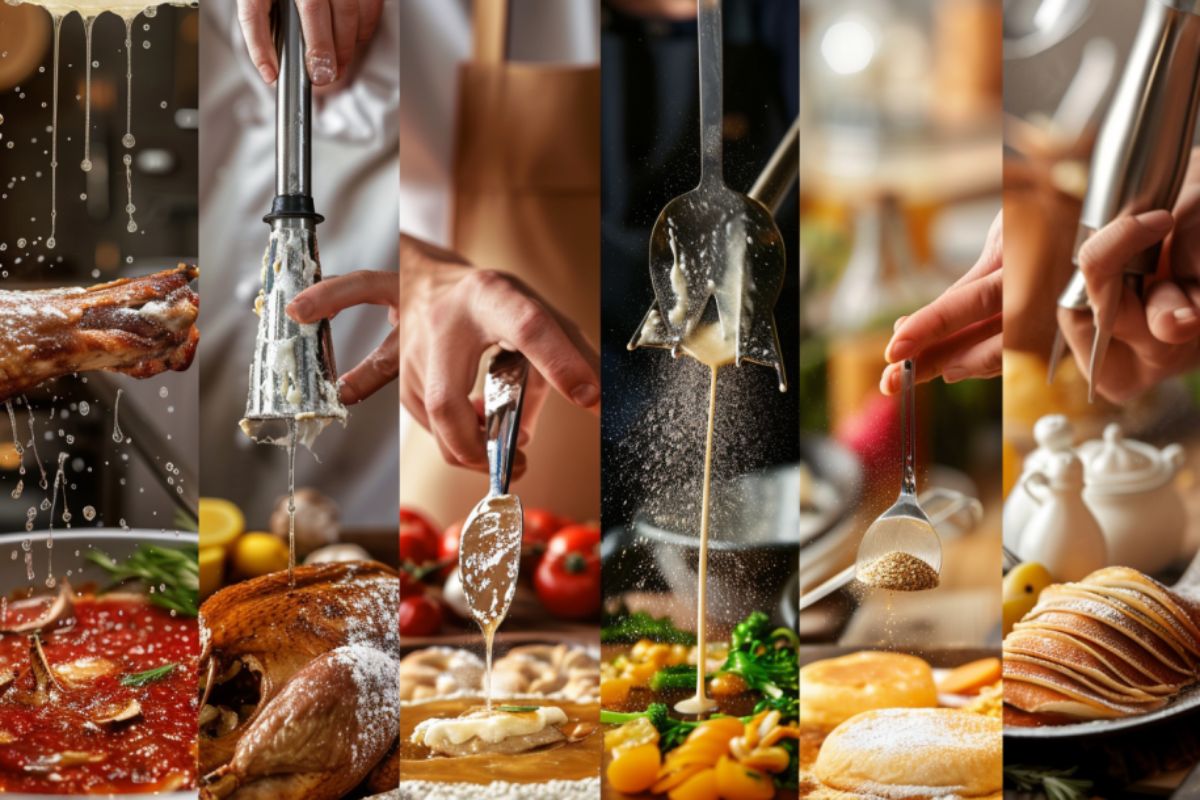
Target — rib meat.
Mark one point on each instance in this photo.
(138, 326)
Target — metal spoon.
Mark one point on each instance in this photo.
(715, 244)
(490, 546)
(953, 504)
(903, 528)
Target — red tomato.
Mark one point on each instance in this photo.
(448, 548)
(410, 586)
(418, 538)
(540, 526)
(419, 616)
(568, 579)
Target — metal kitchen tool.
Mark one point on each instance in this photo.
(1141, 155)
(713, 246)
(904, 527)
(955, 503)
(292, 377)
(1033, 26)
(490, 545)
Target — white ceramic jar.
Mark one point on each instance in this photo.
(1129, 488)
(1062, 534)
(1055, 437)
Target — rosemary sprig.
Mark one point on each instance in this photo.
(1057, 784)
(171, 576)
(149, 676)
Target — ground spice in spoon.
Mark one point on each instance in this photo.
(899, 572)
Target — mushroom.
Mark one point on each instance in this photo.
(118, 713)
(316, 520)
(59, 613)
(84, 670)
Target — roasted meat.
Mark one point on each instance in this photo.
(138, 326)
(300, 694)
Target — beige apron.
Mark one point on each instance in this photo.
(526, 200)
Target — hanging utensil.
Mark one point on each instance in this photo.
(713, 247)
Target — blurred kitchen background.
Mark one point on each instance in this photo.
(148, 478)
(900, 179)
(655, 407)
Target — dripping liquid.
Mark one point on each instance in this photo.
(117, 435)
(701, 703)
(51, 242)
(86, 164)
(291, 504)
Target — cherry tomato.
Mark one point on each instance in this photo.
(540, 526)
(448, 548)
(410, 586)
(568, 578)
(419, 539)
(419, 616)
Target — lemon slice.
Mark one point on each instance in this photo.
(220, 522)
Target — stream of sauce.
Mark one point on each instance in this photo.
(709, 346)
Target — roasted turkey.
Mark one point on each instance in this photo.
(299, 686)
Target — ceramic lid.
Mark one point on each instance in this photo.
(1119, 465)
(1054, 435)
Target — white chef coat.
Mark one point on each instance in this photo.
(355, 164)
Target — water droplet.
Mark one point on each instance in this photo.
(51, 243)
(128, 140)
(131, 226)
(9, 144)
(163, 392)
(163, 104)
(83, 195)
(86, 165)
(146, 44)
(84, 408)
(21, 242)
(130, 208)
(89, 513)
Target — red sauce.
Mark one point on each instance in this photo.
(152, 752)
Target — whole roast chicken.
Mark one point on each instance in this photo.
(299, 687)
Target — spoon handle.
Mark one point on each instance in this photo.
(503, 397)
(908, 429)
(708, 23)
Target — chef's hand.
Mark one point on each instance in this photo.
(1152, 339)
(452, 313)
(334, 31)
(960, 334)
(325, 299)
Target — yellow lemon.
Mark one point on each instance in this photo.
(212, 570)
(258, 553)
(1022, 585)
(220, 522)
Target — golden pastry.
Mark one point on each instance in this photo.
(835, 689)
(914, 753)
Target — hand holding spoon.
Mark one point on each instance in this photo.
(901, 551)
